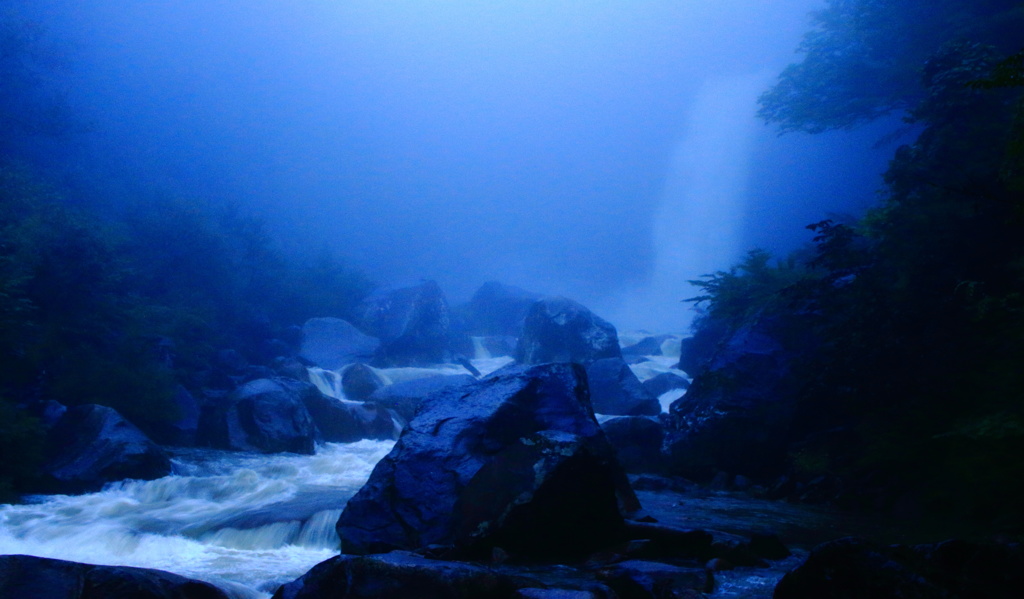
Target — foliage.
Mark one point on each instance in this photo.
(918, 308)
(862, 57)
(749, 287)
(21, 444)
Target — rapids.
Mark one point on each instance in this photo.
(245, 522)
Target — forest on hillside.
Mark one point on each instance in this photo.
(902, 330)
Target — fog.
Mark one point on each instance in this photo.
(603, 150)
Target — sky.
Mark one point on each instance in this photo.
(603, 150)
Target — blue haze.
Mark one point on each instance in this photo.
(603, 150)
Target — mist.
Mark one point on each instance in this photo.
(605, 151)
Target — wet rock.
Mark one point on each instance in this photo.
(557, 329)
(290, 368)
(665, 382)
(648, 346)
(340, 421)
(637, 442)
(406, 397)
(92, 445)
(615, 390)
(265, 415)
(400, 574)
(359, 381)
(737, 415)
(855, 568)
(768, 546)
(564, 594)
(28, 577)
(412, 324)
(516, 460)
(182, 429)
(673, 542)
(230, 361)
(499, 310)
(637, 579)
(330, 343)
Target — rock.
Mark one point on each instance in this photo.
(738, 414)
(665, 382)
(290, 368)
(400, 574)
(768, 546)
(562, 594)
(92, 445)
(615, 390)
(637, 442)
(412, 324)
(673, 542)
(499, 310)
(855, 568)
(28, 577)
(182, 430)
(406, 397)
(230, 361)
(636, 579)
(557, 329)
(340, 421)
(648, 346)
(48, 411)
(330, 343)
(265, 415)
(359, 381)
(517, 458)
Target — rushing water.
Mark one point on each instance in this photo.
(246, 522)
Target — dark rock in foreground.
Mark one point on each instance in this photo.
(557, 329)
(849, 567)
(406, 397)
(637, 579)
(516, 459)
(91, 445)
(637, 441)
(27, 577)
(331, 343)
(264, 415)
(738, 414)
(400, 574)
(412, 324)
(615, 390)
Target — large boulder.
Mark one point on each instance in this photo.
(665, 382)
(91, 445)
(499, 310)
(855, 568)
(615, 390)
(637, 440)
(340, 421)
(264, 415)
(400, 574)
(406, 397)
(330, 343)
(182, 428)
(516, 460)
(739, 412)
(359, 381)
(557, 329)
(28, 577)
(412, 324)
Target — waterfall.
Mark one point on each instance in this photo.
(698, 227)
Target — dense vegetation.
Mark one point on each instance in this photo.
(118, 308)
(916, 311)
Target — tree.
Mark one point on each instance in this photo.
(861, 58)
